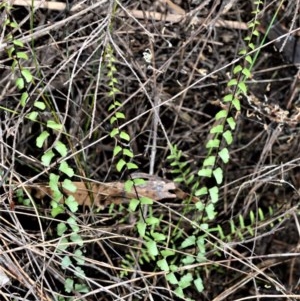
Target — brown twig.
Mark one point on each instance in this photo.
(139, 14)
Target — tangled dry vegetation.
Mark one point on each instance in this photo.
(173, 61)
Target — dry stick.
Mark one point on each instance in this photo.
(177, 18)
(139, 14)
(52, 5)
(174, 7)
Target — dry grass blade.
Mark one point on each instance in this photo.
(172, 60)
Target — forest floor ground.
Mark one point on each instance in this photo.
(173, 60)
